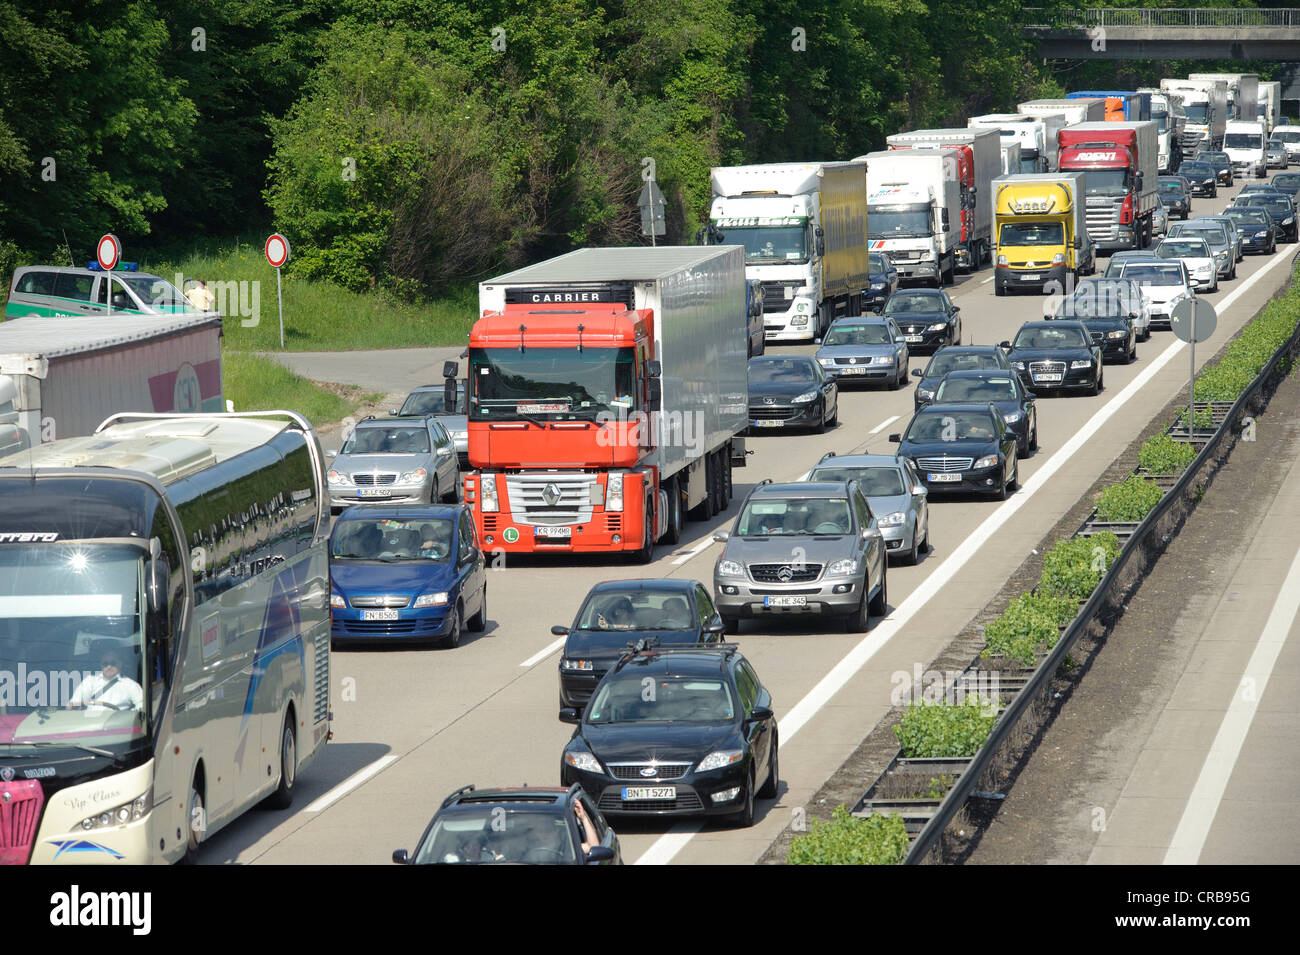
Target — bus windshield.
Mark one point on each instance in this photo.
(72, 654)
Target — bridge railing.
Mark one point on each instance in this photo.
(1189, 18)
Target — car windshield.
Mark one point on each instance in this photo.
(153, 291)
(1197, 170)
(1171, 188)
(1098, 299)
(1247, 217)
(1278, 204)
(857, 335)
(948, 425)
(976, 389)
(878, 262)
(1287, 135)
(1243, 140)
(902, 303)
(1214, 159)
(767, 243)
(1031, 233)
(1289, 182)
(1117, 264)
(500, 834)
(874, 481)
(432, 402)
(388, 539)
(1050, 338)
(1184, 249)
(788, 516)
(630, 697)
(946, 361)
(387, 440)
(1150, 273)
(636, 610)
(778, 371)
(1211, 234)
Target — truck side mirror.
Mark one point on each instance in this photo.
(156, 586)
(1078, 242)
(450, 369)
(653, 394)
(820, 241)
(449, 394)
(944, 222)
(654, 369)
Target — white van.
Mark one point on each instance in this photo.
(1244, 142)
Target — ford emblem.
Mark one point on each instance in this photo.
(649, 771)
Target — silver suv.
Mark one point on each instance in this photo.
(409, 460)
(807, 548)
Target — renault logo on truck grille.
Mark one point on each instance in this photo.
(551, 495)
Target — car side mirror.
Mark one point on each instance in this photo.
(817, 341)
(896, 438)
(956, 309)
(920, 490)
(599, 854)
(715, 626)
(120, 300)
(917, 373)
(1005, 346)
(758, 714)
(570, 715)
(330, 454)
(558, 631)
(721, 537)
(400, 857)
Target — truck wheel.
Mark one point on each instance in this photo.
(674, 517)
(725, 457)
(647, 550)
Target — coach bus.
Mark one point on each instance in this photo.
(164, 633)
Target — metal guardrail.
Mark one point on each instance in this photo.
(1188, 18)
(927, 842)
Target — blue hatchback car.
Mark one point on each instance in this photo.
(410, 573)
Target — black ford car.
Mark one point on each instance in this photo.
(1201, 176)
(791, 391)
(676, 731)
(1056, 355)
(618, 612)
(962, 447)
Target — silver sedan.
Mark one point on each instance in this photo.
(896, 493)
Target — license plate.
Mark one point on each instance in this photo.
(631, 793)
(553, 531)
(379, 615)
(765, 423)
(785, 601)
(1029, 277)
(944, 478)
(373, 492)
(857, 370)
(1048, 377)
(912, 339)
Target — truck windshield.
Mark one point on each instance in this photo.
(1028, 160)
(1195, 112)
(1243, 141)
(551, 384)
(71, 646)
(898, 222)
(768, 244)
(1107, 182)
(1162, 121)
(1032, 233)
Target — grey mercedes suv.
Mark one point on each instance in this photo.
(811, 548)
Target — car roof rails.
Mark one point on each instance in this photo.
(826, 456)
(456, 795)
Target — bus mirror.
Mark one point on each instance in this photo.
(156, 586)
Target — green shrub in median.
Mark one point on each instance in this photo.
(939, 729)
(849, 840)
(1129, 500)
(1161, 454)
(1074, 567)
(1250, 351)
(1031, 621)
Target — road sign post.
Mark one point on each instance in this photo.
(108, 252)
(277, 253)
(1193, 320)
(652, 206)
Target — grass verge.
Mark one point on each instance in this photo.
(260, 384)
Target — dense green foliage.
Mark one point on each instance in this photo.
(1074, 566)
(847, 840)
(1250, 351)
(1161, 454)
(1031, 622)
(1130, 500)
(941, 729)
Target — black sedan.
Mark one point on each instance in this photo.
(1109, 322)
(926, 317)
(1056, 355)
(962, 448)
(1002, 389)
(541, 826)
(956, 358)
(674, 732)
(1202, 177)
(1176, 193)
(1280, 208)
(618, 612)
(1220, 162)
(883, 281)
(791, 391)
(1288, 182)
(1255, 227)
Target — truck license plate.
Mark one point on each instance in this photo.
(373, 492)
(379, 615)
(790, 600)
(553, 531)
(944, 477)
(1029, 277)
(649, 792)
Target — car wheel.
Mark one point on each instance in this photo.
(1015, 477)
(896, 383)
(859, 621)
(282, 798)
(1096, 384)
(880, 603)
(433, 493)
(773, 772)
(730, 625)
(999, 290)
(821, 428)
(1033, 433)
(745, 818)
(478, 622)
(452, 640)
(1132, 353)
(914, 555)
(1000, 493)
(835, 415)
(1233, 273)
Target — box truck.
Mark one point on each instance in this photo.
(1243, 92)
(1269, 108)
(914, 211)
(1035, 134)
(59, 378)
(1041, 231)
(979, 163)
(1205, 105)
(607, 394)
(1010, 159)
(804, 229)
(1073, 111)
(1120, 162)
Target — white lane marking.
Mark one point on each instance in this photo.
(884, 424)
(988, 280)
(668, 845)
(349, 784)
(698, 548)
(1203, 803)
(542, 654)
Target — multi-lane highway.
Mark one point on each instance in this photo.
(412, 725)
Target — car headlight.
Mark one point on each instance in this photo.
(804, 398)
(826, 362)
(487, 484)
(1220, 255)
(730, 568)
(842, 568)
(582, 665)
(1262, 235)
(877, 286)
(1011, 417)
(723, 757)
(336, 600)
(924, 393)
(430, 600)
(988, 461)
(892, 520)
(1081, 363)
(1288, 220)
(1117, 334)
(1018, 365)
(885, 359)
(413, 477)
(938, 326)
(338, 477)
(614, 491)
(583, 760)
(131, 811)
(1058, 258)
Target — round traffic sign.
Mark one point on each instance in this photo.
(277, 250)
(108, 251)
(1193, 320)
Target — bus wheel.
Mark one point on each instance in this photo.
(282, 798)
(195, 822)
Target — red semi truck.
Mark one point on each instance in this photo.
(607, 392)
(1121, 161)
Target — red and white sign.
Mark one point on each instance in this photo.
(277, 250)
(108, 251)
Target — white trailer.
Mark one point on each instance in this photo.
(1074, 111)
(1205, 105)
(1269, 108)
(914, 211)
(1010, 159)
(60, 377)
(1035, 134)
(1243, 92)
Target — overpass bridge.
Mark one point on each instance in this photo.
(1207, 33)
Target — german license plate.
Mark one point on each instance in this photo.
(553, 531)
(1047, 377)
(373, 492)
(944, 477)
(853, 370)
(766, 423)
(789, 600)
(379, 615)
(912, 339)
(631, 793)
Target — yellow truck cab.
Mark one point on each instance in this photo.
(1040, 232)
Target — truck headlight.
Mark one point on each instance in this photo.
(804, 398)
(1002, 260)
(337, 601)
(1058, 258)
(131, 811)
(430, 600)
(988, 461)
(614, 492)
(488, 492)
